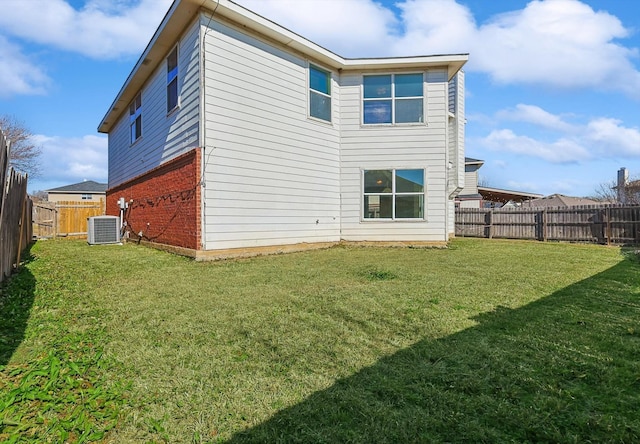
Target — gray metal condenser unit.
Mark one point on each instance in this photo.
(103, 230)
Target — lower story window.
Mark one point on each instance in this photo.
(394, 194)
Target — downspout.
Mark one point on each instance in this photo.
(203, 143)
(456, 165)
(204, 157)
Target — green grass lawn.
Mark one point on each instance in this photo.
(487, 341)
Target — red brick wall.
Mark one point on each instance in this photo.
(166, 203)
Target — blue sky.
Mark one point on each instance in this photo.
(553, 86)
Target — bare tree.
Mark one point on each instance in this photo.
(607, 192)
(25, 155)
(483, 182)
(40, 195)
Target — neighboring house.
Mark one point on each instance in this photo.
(232, 132)
(627, 192)
(498, 197)
(475, 196)
(83, 192)
(559, 200)
(469, 197)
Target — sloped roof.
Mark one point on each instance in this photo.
(472, 161)
(504, 196)
(88, 186)
(633, 184)
(560, 200)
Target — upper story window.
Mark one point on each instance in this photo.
(135, 118)
(319, 93)
(393, 194)
(87, 196)
(393, 98)
(172, 79)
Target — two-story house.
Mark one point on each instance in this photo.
(232, 132)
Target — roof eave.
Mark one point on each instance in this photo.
(500, 190)
(453, 62)
(177, 17)
(182, 12)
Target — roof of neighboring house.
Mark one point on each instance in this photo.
(476, 196)
(88, 186)
(504, 196)
(472, 161)
(633, 184)
(560, 200)
(182, 12)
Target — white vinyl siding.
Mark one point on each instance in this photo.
(272, 173)
(164, 137)
(470, 181)
(373, 147)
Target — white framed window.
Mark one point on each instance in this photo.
(87, 196)
(135, 118)
(393, 194)
(319, 93)
(172, 80)
(393, 99)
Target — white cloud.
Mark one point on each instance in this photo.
(611, 138)
(537, 116)
(101, 29)
(562, 150)
(599, 138)
(70, 160)
(563, 43)
(557, 43)
(18, 74)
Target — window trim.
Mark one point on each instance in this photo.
(311, 91)
(394, 193)
(135, 118)
(173, 75)
(393, 100)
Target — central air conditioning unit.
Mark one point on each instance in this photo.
(103, 230)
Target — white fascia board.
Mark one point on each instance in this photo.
(453, 62)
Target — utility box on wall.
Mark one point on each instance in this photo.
(103, 230)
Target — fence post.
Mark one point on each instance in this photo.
(608, 225)
(544, 225)
(55, 221)
(490, 224)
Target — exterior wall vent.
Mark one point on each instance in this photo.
(103, 230)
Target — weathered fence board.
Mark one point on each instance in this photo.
(64, 218)
(603, 224)
(15, 213)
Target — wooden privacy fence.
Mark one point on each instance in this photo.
(64, 218)
(15, 213)
(605, 224)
